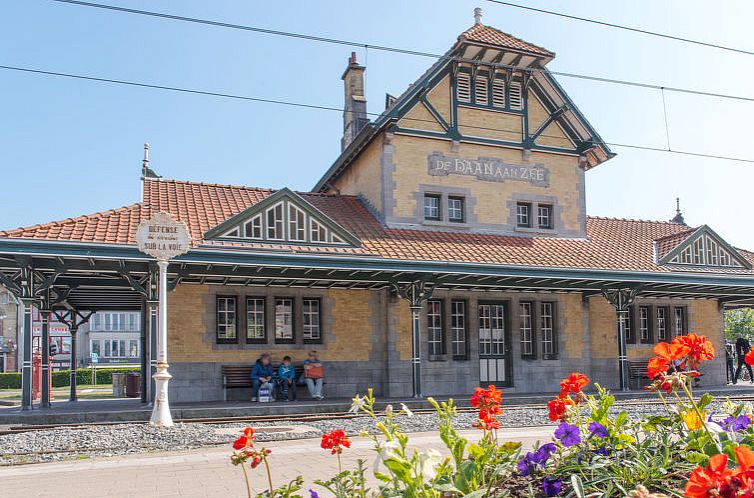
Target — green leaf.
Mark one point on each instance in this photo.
(399, 468)
(578, 486)
(704, 401)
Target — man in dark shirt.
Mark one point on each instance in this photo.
(742, 347)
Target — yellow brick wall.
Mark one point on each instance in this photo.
(602, 324)
(403, 328)
(573, 312)
(491, 198)
(419, 118)
(439, 97)
(364, 176)
(191, 327)
(473, 122)
(707, 319)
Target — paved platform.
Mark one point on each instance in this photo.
(132, 410)
(206, 472)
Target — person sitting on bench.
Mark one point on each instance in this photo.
(287, 380)
(314, 375)
(261, 375)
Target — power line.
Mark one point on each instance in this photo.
(625, 28)
(384, 48)
(336, 109)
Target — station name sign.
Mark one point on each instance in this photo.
(163, 237)
(488, 169)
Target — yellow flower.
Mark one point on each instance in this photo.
(692, 420)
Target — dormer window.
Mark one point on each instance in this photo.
(498, 92)
(253, 227)
(318, 232)
(275, 224)
(516, 99)
(480, 89)
(296, 223)
(463, 87)
(703, 247)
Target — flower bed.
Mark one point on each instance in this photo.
(685, 451)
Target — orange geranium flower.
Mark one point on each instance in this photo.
(573, 383)
(749, 357)
(335, 440)
(657, 366)
(700, 349)
(675, 350)
(491, 396)
(244, 441)
(707, 481)
(558, 407)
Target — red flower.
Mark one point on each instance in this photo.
(487, 423)
(491, 396)
(573, 383)
(558, 408)
(335, 440)
(704, 482)
(657, 367)
(749, 357)
(246, 440)
(699, 348)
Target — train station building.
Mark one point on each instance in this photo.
(447, 246)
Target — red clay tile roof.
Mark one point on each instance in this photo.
(612, 244)
(491, 36)
(670, 242)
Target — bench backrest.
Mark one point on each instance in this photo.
(237, 375)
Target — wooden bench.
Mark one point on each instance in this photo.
(637, 374)
(239, 376)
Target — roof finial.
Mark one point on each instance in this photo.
(478, 15)
(678, 218)
(146, 171)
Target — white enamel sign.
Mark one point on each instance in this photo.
(163, 237)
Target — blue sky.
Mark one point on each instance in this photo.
(74, 147)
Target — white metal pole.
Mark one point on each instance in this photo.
(161, 410)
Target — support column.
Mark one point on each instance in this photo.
(44, 344)
(621, 299)
(144, 357)
(415, 293)
(152, 338)
(26, 341)
(74, 328)
(161, 416)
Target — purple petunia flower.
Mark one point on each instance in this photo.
(598, 430)
(568, 434)
(551, 486)
(601, 451)
(313, 494)
(735, 424)
(532, 460)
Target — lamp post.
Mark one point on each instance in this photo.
(163, 238)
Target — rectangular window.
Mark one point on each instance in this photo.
(455, 209)
(549, 335)
(431, 207)
(133, 349)
(226, 319)
(498, 92)
(133, 321)
(480, 89)
(253, 227)
(107, 319)
(463, 87)
(296, 223)
(679, 314)
(645, 329)
(458, 328)
(284, 320)
(515, 98)
(491, 330)
(628, 320)
(95, 348)
(312, 320)
(275, 226)
(525, 321)
(544, 216)
(4, 297)
(255, 329)
(434, 327)
(523, 215)
(121, 348)
(95, 323)
(108, 349)
(662, 323)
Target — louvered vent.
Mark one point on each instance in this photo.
(516, 96)
(463, 87)
(480, 90)
(498, 92)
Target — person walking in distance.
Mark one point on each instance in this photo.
(742, 347)
(730, 354)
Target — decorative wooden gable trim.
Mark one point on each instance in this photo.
(283, 218)
(704, 247)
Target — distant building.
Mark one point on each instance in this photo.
(8, 332)
(113, 336)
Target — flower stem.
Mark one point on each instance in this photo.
(267, 466)
(246, 478)
(340, 468)
(699, 414)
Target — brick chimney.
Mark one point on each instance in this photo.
(355, 109)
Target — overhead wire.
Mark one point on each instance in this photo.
(333, 108)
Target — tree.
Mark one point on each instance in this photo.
(739, 323)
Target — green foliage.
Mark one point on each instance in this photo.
(62, 378)
(739, 323)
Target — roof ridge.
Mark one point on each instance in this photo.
(521, 40)
(679, 234)
(633, 220)
(222, 185)
(67, 221)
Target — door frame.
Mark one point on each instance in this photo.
(507, 345)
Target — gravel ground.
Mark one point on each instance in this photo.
(122, 439)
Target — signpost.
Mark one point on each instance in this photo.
(163, 238)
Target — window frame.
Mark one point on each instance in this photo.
(276, 222)
(464, 355)
(630, 325)
(550, 224)
(664, 321)
(649, 339)
(311, 340)
(531, 328)
(439, 328)
(438, 200)
(519, 214)
(218, 324)
(256, 340)
(684, 321)
(462, 201)
(285, 340)
(553, 316)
